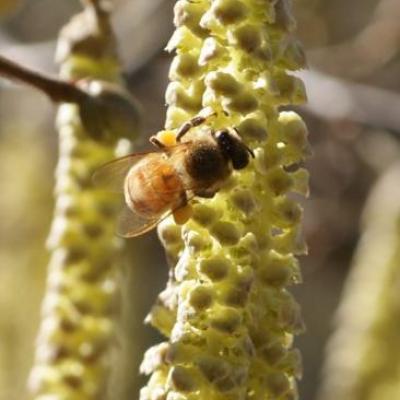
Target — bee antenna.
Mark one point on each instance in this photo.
(251, 152)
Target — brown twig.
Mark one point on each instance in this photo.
(338, 99)
(98, 5)
(57, 90)
(92, 3)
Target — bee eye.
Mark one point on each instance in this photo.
(223, 139)
(233, 149)
(240, 158)
(225, 143)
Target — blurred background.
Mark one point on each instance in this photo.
(353, 51)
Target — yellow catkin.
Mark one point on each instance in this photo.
(226, 311)
(22, 145)
(77, 329)
(363, 360)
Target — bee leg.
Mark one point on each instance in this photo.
(183, 213)
(205, 193)
(185, 128)
(156, 142)
(195, 121)
(183, 199)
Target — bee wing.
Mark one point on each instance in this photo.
(112, 175)
(131, 224)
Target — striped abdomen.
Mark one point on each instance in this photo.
(153, 187)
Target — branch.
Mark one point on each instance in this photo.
(57, 90)
(334, 98)
(98, 5)
(365, 53)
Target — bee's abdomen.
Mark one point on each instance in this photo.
(152, 188)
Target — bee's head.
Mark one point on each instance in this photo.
(233, 148)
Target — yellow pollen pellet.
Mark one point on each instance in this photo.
(167, 138)
(182, 214)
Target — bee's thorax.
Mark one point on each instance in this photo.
(205, 163)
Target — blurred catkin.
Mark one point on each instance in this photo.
(77, 328)
(226, 311)
(22, 232)
(363, 360)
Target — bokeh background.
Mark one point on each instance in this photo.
(353, 50)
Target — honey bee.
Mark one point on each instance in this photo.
(157, 183)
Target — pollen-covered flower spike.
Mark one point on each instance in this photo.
(226, 312)
(77, 329)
